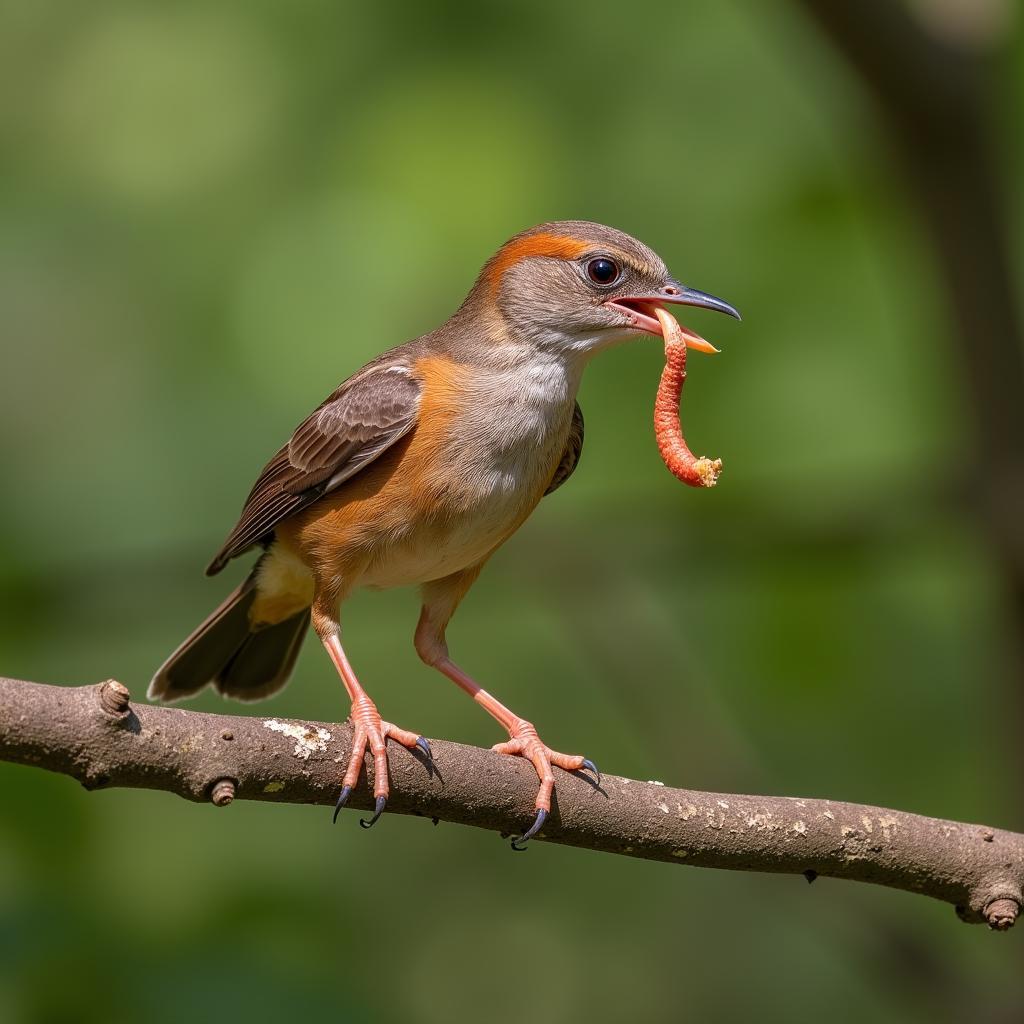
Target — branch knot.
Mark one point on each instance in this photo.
(1001, 914)
(114, 698)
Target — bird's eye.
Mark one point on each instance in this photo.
(602, 270)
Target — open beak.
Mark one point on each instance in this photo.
(640, 310)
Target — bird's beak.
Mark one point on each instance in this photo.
(640, 309)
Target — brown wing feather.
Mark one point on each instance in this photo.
(571, 455)
(365, 416)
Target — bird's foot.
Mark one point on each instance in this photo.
(526, 743)
(372, 732)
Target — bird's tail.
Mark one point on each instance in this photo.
(240, 659)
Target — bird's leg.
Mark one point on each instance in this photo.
(524, 742)
(369, 730)
(440, 599)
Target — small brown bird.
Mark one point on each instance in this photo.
(418, 467)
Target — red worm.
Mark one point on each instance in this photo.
(681, 462)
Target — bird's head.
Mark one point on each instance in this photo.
(576, 287)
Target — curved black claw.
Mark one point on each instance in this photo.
(342, 800)
(378, 810)
(422, 743)
(591, 767)
(538, 824)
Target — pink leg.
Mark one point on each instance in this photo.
(440, 599)
(370, 730)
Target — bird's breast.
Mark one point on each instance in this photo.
(483, 451)
(510, 430)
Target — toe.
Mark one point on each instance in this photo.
(508, 747)
(538, 822)
(403, 736)
(355, 760)
(378, 810)
(380, 766)
(590, 767)
(346, 792)
(568, 762)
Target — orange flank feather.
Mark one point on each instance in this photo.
(556, 246)
(392, 524)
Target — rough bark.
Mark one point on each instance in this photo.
(97, 736)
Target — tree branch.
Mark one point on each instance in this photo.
(95, 735)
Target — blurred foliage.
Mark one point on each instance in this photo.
(211, 213)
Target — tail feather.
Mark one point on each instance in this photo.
(264, 662)
(240, 660)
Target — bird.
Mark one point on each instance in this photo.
(416, 469)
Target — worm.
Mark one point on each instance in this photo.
(668, 430)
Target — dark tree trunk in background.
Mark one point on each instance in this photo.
(935, 101)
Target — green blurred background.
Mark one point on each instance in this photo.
(212, 212)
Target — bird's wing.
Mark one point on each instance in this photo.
(364, 417)
(571, 454)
